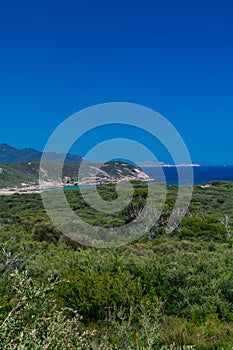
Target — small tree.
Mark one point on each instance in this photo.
(7, 260)
(225, 223)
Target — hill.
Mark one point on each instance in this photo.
(11, 155)
(28, 173)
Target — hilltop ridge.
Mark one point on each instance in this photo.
(12, 155)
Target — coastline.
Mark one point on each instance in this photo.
(48, 185)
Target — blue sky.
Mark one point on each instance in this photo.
(176, 57)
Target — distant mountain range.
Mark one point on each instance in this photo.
(11, 155)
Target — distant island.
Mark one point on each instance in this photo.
(161, 164)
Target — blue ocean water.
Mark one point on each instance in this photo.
(202, 174)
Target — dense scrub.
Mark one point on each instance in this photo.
(163, 291)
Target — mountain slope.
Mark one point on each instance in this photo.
(11, 155)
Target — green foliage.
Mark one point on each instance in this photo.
(93, 294)
(35, 322)
(208, 228)
(163, 291)
(44, 231)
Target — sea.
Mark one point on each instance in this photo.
(201, 174)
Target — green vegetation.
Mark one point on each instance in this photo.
(163, 291)
(15, 174)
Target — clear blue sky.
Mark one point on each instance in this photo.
(176, 57)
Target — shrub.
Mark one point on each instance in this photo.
(44, 231)
(35, 322)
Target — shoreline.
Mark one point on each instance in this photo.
(48, 186)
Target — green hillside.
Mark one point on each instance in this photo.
(16, 174)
